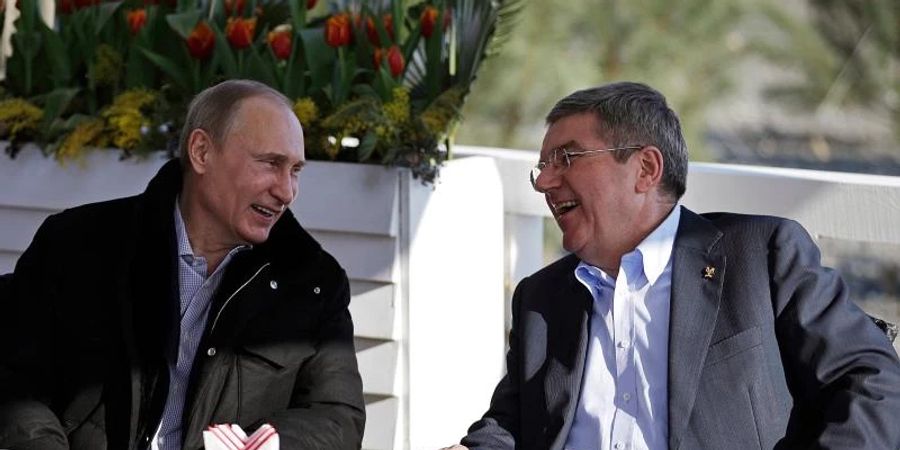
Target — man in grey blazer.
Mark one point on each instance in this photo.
(669, 329)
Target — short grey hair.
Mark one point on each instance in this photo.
(213, 109)
(633, 114)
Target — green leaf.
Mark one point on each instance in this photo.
(178, 75)
(184, 23)
(294, 76)
(55, 103)
(104, 12)
(258, 69)
(367, 146)
(138, 70)
(60, 67)
(223, 54)
(298, 13)
(319, 56)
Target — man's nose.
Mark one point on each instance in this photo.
(547, 179)
(285, 188)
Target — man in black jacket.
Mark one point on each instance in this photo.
(137, 322)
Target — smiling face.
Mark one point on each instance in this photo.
(241, 186)
(595, 201)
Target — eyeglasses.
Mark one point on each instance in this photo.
(561, 159)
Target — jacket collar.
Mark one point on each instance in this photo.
(698, 273)
(149, 286)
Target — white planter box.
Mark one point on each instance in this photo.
(425, 267)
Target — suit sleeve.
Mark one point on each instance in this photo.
(499, 427)
(327, 407)
(27, 351)
(841, 370)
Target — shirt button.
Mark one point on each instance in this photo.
(211, 351)
(626, 396)
(273, 284)
(620, 344)
(316, 290)
(618, 445)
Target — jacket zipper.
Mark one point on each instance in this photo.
(225, 305)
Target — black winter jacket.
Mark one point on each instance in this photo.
(91, 315)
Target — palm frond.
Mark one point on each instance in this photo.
(480, 27)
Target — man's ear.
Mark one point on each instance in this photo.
(199, 150)
(651, 168)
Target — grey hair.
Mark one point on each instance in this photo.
(213, 110)
(631, 113)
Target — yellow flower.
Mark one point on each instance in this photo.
(107, 66)
(397, 110)
(124, 118)
(306, 110)
(134, 99)
(88, 133)
(18, 116)
(442, 112)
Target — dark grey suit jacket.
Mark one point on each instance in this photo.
(768, 353)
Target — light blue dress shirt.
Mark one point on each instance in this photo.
(624, 390)
(196, 291)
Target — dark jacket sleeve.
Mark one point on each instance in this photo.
(27, 352)
(499, 428)
(841, 370)
(327, 407)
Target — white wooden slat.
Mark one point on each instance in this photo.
(19, 225)
(99, 176)
(381, 424)
(366, 257)
(372, 309)
(323, 201)
(378, 365)
(8, 261)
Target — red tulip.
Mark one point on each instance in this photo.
(136, 20)
(395, 61)
(310, 4)
(280, 41)
(201, 41)
(66, 6)
(79, 4)
(239, 32)
(377, 55)
(338, 31)
(234, 6)
(372, 31)
(429, 17)
(85, 3)
(160, 2)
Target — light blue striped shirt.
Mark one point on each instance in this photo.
(624, 389)
(196, 291)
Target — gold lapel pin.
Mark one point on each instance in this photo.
(709, 272)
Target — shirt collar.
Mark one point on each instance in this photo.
(184, 244)
(656, 248)
(653, 253)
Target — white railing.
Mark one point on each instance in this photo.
(832, 205)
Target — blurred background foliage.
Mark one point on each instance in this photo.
(804, 83)
(793, 83)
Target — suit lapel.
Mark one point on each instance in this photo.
(568, 338)
(698, 270)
